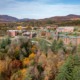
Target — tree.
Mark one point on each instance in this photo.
(78, 48)
(43, 46)
(5, 42)
(27, 46)
(57, 45)
(54, 46)
(76, 73)
(70, 69)
(60, 44)
(65, 72)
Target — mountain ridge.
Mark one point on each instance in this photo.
(7, 18)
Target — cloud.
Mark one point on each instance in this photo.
(34, 9)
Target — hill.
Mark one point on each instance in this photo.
(6, 18)
(64, 18)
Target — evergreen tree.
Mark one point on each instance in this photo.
(76, 73)
(54, 46)
(70, 70)
(60, 44)
(43, 46)
(65, 72)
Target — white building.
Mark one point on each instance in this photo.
(65, 29)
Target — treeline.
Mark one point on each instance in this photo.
(69, 23)
(39, 23)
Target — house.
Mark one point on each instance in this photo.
(65, 29)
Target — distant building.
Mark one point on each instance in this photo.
(52, 27)
(65, 29)
(71, 39)
(29, 34)
(24, 28)
(13, 33)
(75, 40)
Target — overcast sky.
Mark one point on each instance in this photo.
(39, 8)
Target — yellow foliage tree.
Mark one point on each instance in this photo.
(23, 72)
(32, 56)
(33, 48)
(26, 61)
(19, 27)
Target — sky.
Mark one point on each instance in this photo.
(39, 9)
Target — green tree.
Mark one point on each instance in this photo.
(43, 46)
(65, 72)
(57, 45)
(76, 73)
(54, 46)
(27, 47)
(5, 42)
(60, 44)
(70, 70)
